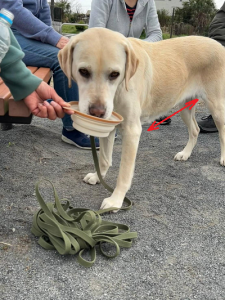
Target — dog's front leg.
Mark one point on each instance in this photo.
(105, 158)
(130, 140)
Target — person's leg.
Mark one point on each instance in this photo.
(39, 54)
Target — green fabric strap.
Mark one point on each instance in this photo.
(75, 230)
(95, 158)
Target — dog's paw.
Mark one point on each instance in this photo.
(91, 178)
(112, 202)
(181, 156)
(222, 161)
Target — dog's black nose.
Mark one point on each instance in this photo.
(97, 110)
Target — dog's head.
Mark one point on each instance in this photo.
(98, 60)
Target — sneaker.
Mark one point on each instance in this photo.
(78, 139)
(167, 122)
(207, 125)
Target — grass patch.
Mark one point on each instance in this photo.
(69, 29)
(167, 36)
(72, 29)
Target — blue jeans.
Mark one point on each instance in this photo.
(38, 54)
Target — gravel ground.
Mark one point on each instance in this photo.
(178, 214)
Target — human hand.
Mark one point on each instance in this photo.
(62, 42)
(39, 107)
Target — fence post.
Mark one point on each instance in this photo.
(171, 30)
(52, 9)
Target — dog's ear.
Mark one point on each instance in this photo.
(131, 63)
(65, 57)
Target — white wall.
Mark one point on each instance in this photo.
(57, 26)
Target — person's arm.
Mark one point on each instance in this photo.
(15, 74)
(100, 10)
(39, 107)
(217, 26)
(45, 13)
(24, 85)
(30, 26)
(152, 28)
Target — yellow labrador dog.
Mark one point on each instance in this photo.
(139, 79)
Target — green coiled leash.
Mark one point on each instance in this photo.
(75, 230)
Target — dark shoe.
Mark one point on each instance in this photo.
(167, 122)
(207, 125)
(78, 139)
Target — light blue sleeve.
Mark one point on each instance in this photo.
(152, 28)
(100, 10)
(30, 26)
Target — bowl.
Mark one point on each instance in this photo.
(93, 125)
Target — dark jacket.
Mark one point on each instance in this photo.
(217, 27)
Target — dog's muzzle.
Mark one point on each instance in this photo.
(97, 110)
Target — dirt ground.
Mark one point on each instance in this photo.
(178, 213)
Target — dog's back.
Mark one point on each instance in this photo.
(180, 68)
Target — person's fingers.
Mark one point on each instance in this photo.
(66, 104)
(62, 42)
(44, 91)
(55, 97)
(58, 109)
(68, 111)
(50, 111)
(42, 111)
(35, 111)
(61, 102)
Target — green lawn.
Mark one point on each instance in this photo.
(167, 36)
(69, 29)
(72, 29)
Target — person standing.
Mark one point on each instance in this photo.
(216, 32)
(129, 17)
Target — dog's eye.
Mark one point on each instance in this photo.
(113, 75)
(84, 72)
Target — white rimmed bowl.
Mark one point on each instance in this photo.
(92, 125)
